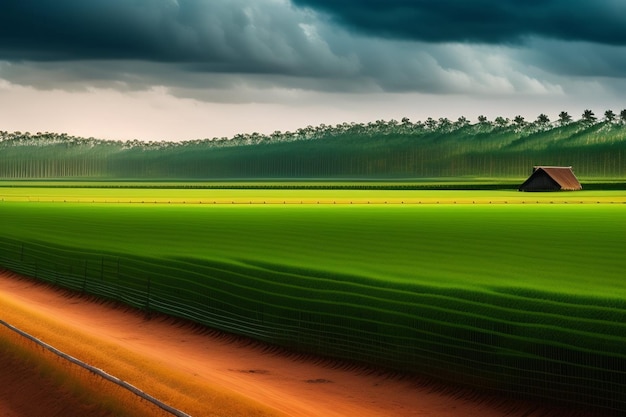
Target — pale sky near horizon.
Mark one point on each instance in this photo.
(189, 69)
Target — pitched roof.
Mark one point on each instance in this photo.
(563, 176)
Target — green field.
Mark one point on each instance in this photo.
(304, 193)
(546, 247)
(526, 298)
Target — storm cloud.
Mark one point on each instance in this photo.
(196, 46)
(482, 21)
(266, 36)
(277, 51)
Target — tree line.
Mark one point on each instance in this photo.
(430, 148)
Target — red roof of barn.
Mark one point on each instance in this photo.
(563, 176)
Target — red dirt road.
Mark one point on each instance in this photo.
(209, 373)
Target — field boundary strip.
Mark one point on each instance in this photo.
(99, 372)
(302, 202)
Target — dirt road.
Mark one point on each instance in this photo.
(209, 373)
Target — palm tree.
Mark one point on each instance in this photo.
(444, 124)
(501, 121)
(482, 119)
(564, 118)
(609, 116)
(542, 120)
(406, 125)
(589, 116)
(461, 122)
(519, 121)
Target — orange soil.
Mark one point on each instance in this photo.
(38, 393)
(210, 373)
(35, 382)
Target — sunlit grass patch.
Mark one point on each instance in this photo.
(144, 195)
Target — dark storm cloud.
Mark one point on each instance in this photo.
(75, 29)
(577, 59)
(207, 49)
(137, 43)
(212, 36)
(483, 21)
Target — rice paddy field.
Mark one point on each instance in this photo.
(520, 293)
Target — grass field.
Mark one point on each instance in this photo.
(525, 298)
(548, 247)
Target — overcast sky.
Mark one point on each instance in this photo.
(187, 69)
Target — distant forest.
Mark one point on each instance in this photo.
(508, 148)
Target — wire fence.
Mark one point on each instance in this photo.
(96, 371)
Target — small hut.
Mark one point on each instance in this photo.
(546, 178)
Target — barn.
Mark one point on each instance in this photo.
(546, 178)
